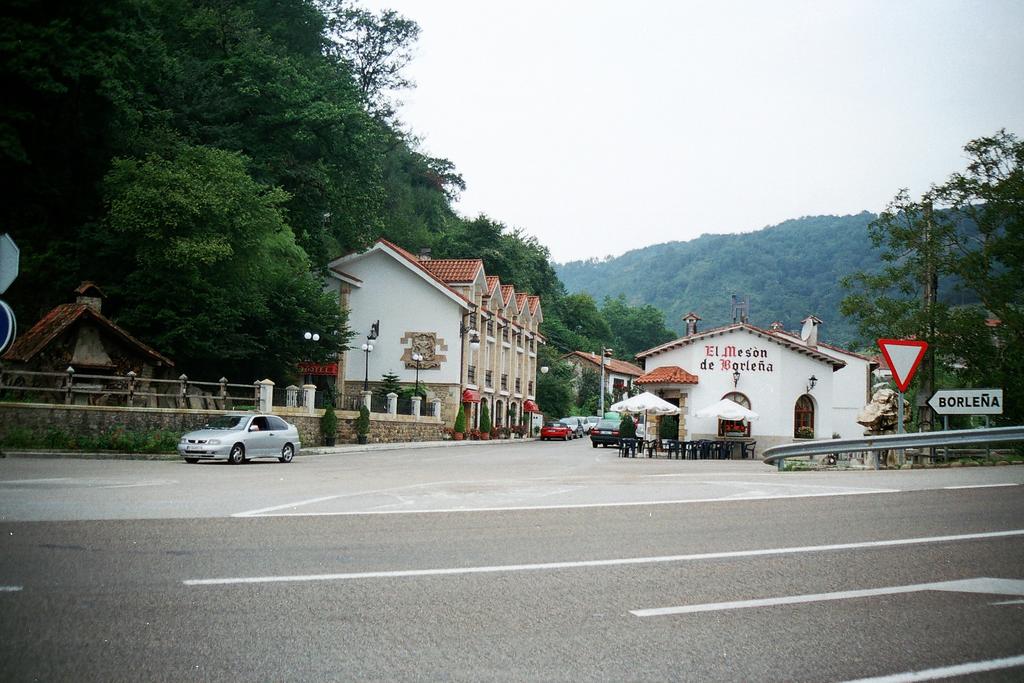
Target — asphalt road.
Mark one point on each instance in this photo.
(523, 561)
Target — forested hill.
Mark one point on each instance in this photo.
(786, 271)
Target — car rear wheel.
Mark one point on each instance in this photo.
(287, 453)
(594, 444)
(237, 454)
(191, 461)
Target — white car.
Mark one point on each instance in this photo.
(590, 422)
(237, 438)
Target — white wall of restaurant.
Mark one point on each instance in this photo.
(772, 394)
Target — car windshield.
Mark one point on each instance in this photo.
(607, 424)
(571, 421)
(554, 424)
(226, 422)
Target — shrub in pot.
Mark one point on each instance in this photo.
(329, 425)
(363, 425)
(485, 422)
(627, 428)
(460, 424)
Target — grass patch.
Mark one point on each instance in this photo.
(120, 439)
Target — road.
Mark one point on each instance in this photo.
(510, 561)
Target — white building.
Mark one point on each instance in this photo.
(798, 387)
(477, 338)
(619, 375)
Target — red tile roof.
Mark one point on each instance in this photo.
(492, 282)
(611, 364)
(54, 323)
(521, 300)
(668, 374)
(453, 270)
(534, 303)
(506, 293)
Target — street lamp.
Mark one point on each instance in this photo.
(811, 382)
(605, 353)
(367, 349)
(311, 336)
(417, 358)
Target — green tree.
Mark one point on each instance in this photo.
(967, 231)
(212, 270)
(635, 328)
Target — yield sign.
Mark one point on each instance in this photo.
(903, 357)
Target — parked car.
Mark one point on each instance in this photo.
(576, 424)
(605, 433)
(556, 430)
(237, 438)
(590, 422)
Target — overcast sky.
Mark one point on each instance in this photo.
(599, 127)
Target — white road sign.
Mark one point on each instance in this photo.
(967, 402)
(9, 257)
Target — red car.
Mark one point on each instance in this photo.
(555, 430)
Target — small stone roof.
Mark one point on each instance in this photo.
(668, 374)
(54, 323)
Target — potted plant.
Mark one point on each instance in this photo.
(329, 425)
(363, 425)
(460, 424)
(485, 422)
(627, 428)
(804, 433)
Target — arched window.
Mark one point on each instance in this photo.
(735, 427)
(803, 418)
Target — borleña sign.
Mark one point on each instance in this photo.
(967, 402)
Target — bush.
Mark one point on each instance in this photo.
(329, 421)
(627, 429)
(460, 419)
(668, 427)
(363, 421)
(485, 418)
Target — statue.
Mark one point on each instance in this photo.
(881, 416)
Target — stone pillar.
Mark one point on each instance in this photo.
(435, 407)
(291, 396)
(416, 406)
(309, 398)
(366, 398)
(392, 403)
(266, 396)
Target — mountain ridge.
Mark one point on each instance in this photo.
(785, 271)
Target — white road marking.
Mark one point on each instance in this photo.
(451, 571)
(980, 486)
(981, 585)
(1008, 602)
(9, 589)
(947, 671)
(520, 508)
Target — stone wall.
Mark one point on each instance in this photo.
(95, 420)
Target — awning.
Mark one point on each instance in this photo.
(470, 396)
(530, 406)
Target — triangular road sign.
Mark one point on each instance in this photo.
(903, 357)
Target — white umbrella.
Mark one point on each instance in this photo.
(727, 410)
(646, 403)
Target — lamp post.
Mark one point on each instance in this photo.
(605, 353)
(367, 349)
(417, 358)
(811, 382)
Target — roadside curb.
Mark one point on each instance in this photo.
(313, 450)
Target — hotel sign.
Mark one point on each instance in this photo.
(322, 369)
(732, 358)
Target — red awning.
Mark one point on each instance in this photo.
(530, 406)
(470, 396)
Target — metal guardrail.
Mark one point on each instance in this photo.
(952, 438)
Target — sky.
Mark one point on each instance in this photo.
(599, 127)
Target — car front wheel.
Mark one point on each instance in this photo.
(237, 454)
(287, 453)
(191, 461)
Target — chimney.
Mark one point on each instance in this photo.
(89, 295)
(691, 319)
(775, 326)
(809, 332)
(425, 254)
